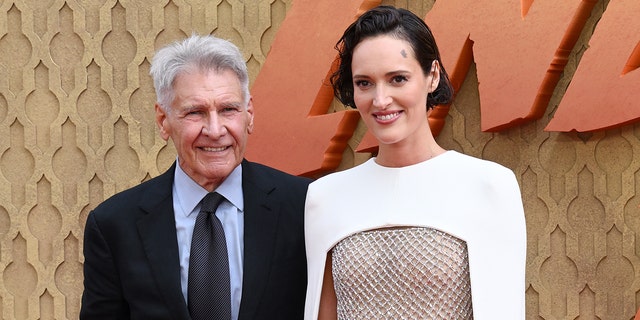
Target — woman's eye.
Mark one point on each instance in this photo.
(362, 83)
(398, 79)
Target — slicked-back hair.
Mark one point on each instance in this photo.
(195, 53)
(398, 23)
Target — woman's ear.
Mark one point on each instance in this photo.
(434, 73)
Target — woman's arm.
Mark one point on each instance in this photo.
(328, 300)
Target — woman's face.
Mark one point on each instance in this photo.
(390, 90)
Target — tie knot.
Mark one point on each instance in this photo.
(210, 202)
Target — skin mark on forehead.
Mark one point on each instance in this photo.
(403, 53)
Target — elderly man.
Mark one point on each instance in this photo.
(214, 237)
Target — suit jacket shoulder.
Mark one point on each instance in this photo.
(145, 193)
(268, 178)
(131, 264)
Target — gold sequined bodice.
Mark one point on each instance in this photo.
(402, 273)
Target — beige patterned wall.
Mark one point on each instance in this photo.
(77, 125)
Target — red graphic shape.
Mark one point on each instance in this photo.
(605, 89)
(519, 58)
(293, 131)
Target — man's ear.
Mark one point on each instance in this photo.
(161, 121)
(250, 114)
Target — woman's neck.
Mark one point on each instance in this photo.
(396, 156)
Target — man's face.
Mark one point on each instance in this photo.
(209, 123)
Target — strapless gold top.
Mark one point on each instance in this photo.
(402, 273)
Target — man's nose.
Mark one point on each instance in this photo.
(214, 126)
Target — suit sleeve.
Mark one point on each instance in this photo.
(102, 297)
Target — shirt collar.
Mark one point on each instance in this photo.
(189, 193)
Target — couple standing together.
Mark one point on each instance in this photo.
(416, 232)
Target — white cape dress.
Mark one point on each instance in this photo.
(475, 200)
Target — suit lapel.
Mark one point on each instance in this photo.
(158, 235)
(260, 225)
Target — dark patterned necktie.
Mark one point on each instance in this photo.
(209, 292)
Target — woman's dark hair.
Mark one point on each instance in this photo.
(398, 23)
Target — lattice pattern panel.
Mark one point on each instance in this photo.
(581, 208)
(76, 116)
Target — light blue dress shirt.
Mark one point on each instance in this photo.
(186, 206)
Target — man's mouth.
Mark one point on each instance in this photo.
(214, 149)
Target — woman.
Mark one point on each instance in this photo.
(417, 232)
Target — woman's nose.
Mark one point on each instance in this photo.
(382, 99)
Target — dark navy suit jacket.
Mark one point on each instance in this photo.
(131, 268)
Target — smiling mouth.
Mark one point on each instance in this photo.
(217, 149)
(385, 117)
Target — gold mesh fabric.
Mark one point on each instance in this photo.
(402, 273)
